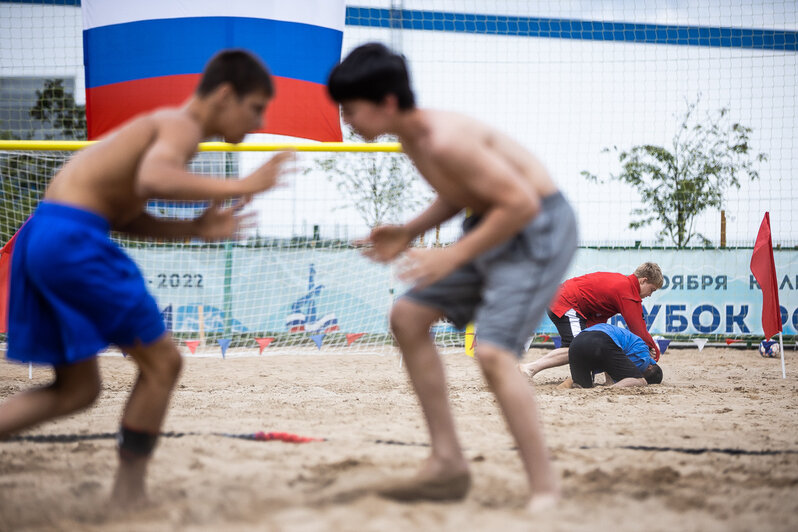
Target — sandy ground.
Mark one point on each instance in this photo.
(712, 399)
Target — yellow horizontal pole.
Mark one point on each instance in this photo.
(73, 145)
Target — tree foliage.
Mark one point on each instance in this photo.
(24, 175)
(57, 107)
(381, 187)
(675, 185)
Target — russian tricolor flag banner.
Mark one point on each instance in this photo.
(144, 54)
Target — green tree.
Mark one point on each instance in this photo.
(56, 107)
(24, 175)
(379, 186)
(677, 184)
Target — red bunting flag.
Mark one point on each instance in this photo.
(351, 337)
(764, 269)
(264, 343)
(192, 345)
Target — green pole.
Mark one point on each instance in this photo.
(228, 260)
(228, 287)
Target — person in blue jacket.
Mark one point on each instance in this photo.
(617, 352)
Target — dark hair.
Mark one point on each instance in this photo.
(371, 72)
(653, 374)
(241, 69)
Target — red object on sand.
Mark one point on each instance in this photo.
(284, 436)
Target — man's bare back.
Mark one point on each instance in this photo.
(102, 178)
(146, 159)
(439, 142)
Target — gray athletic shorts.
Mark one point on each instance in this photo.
(507, 289)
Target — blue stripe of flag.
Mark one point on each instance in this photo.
(167, 47)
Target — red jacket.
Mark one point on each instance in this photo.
(599, 296)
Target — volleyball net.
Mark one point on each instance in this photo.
(671, 132)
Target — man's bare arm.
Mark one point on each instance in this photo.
(438, 212)
(511, 205)
(630, 381)
(216, 223)
(162, 172)
(146, 225)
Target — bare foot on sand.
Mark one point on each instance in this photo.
(541, 503)
(527, 369)
(567, 384)
(442, 488)
(129, 489)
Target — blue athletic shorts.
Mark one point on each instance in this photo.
(73, 291)
(507, 289)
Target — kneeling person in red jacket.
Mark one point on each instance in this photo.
(594, 298)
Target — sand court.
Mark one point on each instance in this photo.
(715, 447)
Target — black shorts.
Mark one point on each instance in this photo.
(595, 352)
(568, 326)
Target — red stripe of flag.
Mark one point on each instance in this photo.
(300, 108)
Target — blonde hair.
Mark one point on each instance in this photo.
(652, 272)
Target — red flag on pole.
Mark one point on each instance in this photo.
(764, 269)
(5, 278)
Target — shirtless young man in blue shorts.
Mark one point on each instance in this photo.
(517, 245)
(74, 292)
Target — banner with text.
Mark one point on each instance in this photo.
(249, 289)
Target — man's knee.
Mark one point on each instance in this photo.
(493, 360)
(406, 318)
(160, 362)
(170, 364)
(77, 394)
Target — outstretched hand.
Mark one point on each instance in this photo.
(269, 174)
(654, 354)
(385, 242)
(422, 267)
(221, 223)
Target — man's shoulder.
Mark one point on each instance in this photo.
(602, 279)
(176, 127)
(451, 134)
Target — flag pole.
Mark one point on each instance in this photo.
(781, 350)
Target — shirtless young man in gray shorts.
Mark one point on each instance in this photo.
(516, 247)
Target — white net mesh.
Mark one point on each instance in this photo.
(567, 79)
(293, 281)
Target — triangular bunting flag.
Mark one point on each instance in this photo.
(351, 337)
(192, 345)
(700, 342)
(319, 339)
(166, 316)
(224, 343)
(663, 344)
(557, 342)
(546, 337)
(528, 343)
(264, 343)
(730, 341)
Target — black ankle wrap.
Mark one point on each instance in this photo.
(135, 444)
